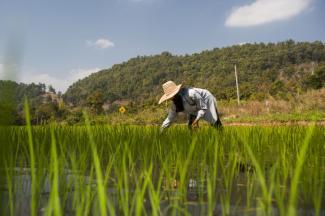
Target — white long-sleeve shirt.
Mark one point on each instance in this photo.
(198, 102)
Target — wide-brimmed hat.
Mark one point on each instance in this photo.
(170, 90)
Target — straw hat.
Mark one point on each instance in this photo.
(170, 90)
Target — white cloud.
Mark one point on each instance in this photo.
(265, 11)
(77, 74)
(101, 43)
(242, 43)
(57, 83)
(60, 84)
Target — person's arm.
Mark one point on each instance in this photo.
(170, 118)
(190, 120)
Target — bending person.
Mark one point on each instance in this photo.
(195, 102)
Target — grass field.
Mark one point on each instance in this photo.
(135, 170)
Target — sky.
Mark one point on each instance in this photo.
(58, 42)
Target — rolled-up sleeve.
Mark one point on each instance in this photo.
(170, 118)
(200, 114)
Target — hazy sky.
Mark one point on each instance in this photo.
(60, 41)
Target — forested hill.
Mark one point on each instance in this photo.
(12, 96)
(280, 70)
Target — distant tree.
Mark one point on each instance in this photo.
(7, 103)
(277, 88)
(74, 117)
(45, 112)
(51, 89)
(317, 80)
(43, 87)
(140, 78)
(95, 102)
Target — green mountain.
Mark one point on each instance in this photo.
(277, 69)
(43, 105)
(12, 97)
(283, 70)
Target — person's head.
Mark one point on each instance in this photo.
(170, 90)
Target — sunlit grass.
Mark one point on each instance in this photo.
(133, 170)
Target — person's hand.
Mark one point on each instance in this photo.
(195, 124)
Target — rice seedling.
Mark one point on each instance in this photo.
(32, 161)
(135, 170)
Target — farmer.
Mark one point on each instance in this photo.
(195, 102)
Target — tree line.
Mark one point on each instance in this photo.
(280, 70)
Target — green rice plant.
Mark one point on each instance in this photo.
(280, 193)
(183, 167)
(87, 196)
(260, 177)
(140, 192)
(33, 204)
(297, 171)
(212, 181)
(123, 182)
(228, 182)
(134, 170)
(155, 196)
(318, 187)
(99, 176)
(54, 201)
(10, 185)
(250, 190)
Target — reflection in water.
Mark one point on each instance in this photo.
(195, 204)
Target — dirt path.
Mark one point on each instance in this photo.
(273, 123)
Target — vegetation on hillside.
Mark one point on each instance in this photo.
(44, 105)
(279, 70)
(273, 78)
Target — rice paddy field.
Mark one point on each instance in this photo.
(136, 170)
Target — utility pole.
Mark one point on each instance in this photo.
(312, 68)
(237, 84)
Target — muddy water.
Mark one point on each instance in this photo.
(196, 204)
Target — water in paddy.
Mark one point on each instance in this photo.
(240, 202)
(241, 171)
